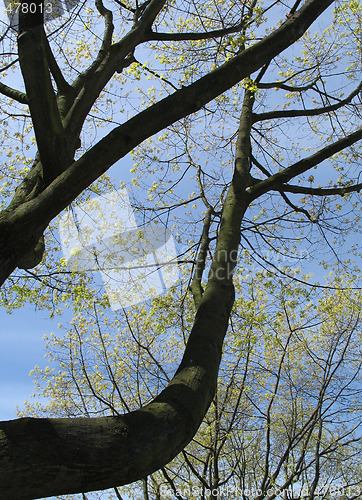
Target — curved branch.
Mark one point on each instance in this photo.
(43, 107)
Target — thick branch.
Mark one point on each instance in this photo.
(42, 102)
(171, 37)
(109, 27)
(243, 147)
(149, 15)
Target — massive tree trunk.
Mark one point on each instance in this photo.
(44, 457)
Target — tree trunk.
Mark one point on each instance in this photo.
(44, 457)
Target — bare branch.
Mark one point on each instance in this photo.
(321, 191)
(276, 181)
(291, 113)
(171, 37)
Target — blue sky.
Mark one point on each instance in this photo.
(21, 348)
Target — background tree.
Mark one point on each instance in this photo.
(102, 452)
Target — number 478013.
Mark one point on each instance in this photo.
(24, 8)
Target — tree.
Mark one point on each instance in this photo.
(73, 455)
(286, 413)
